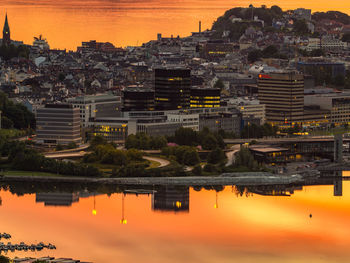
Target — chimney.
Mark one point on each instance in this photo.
(200, 27)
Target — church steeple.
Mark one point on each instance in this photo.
(6, 39)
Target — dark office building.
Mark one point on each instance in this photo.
(57, 199)
(138, 99)
(205, 98)
(323, 72)
(170, 198)
(172, 88)
(58, 124)
(283, 95)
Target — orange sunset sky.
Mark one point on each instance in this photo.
(66, 23)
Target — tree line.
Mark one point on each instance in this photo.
(15, 115)
(21, 157)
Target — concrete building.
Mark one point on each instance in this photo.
(91, 106)
(337, 104)
(58, 124)
(283, 95)
(249, 108)
(229, 122)
(165, 123)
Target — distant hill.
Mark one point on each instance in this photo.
(332, 15)
(224, 23)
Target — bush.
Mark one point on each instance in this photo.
(197, 170)
(210, 168)
(216, 156)
(191, 157)
(72, 145)
(59, 147)
(134, 155)
(4, 259)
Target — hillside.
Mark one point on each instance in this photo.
(268, 15)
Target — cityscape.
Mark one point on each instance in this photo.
(228, 143)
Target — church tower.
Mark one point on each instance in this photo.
(6, 39)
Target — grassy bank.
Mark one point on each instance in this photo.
(28, 173)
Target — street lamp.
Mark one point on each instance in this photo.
(94, 211)
(216, 201)
(123, 221)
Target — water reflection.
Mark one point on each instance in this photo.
(160, 223)
(164, 198)
(57, 199)
(63, 198)
(289, 190)
(171, 198)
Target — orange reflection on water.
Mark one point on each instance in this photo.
(259, 227)
(67, 23)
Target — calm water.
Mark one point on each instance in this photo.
(66, 23)
(184, 224)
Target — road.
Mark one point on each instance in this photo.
(162, 162)
(230, 155)
(284, 140)
(65, 155)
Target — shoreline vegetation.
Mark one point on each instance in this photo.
(187, 153)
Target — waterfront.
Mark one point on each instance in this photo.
(67, 23)
(183, 224)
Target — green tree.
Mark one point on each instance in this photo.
(61, 76)
(186, 136)
(216, 156)
(276, 10)
(210, 168)
(72, 145)
(134, 155)
(4, 259)
(97, 140)
(209, 142)
(219, 84)
(300, 27)
(270, 52)
(339, 80)
(132, 142)
(191, 157)
(254, 55)
(59, 147)
(197, 170)
(6, 123)
(158, 142)
(245, 159)
(346, 37)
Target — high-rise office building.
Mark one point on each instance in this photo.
(205, 98)
(172, 88)
(283, 95)
(138, 99)
(58, 124)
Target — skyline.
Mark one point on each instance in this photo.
(66, 24)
